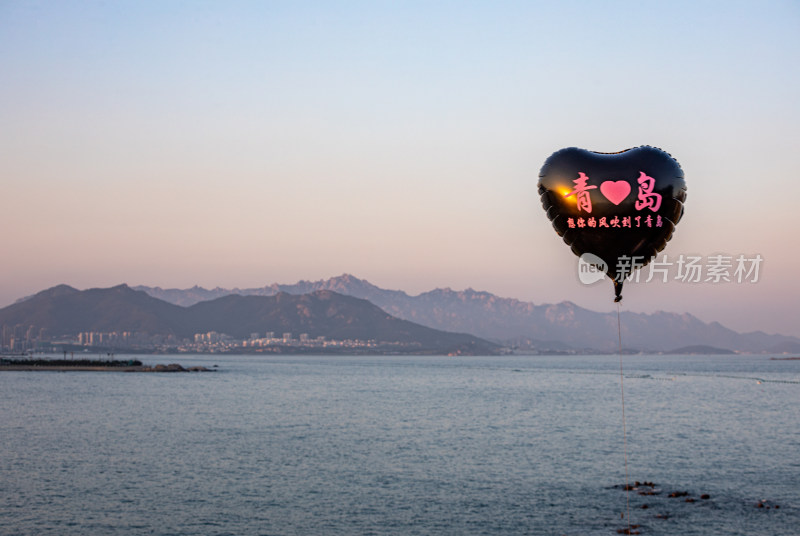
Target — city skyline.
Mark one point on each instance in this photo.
(245, 144)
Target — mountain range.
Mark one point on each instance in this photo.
(544, 327)
(66, 311)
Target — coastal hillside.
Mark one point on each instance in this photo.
(63, 311)
(563, 326)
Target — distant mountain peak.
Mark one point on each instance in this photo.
(121, 286)
(347, 277)
(59, 289)
(53, 292)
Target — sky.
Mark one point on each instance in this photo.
(239, 144)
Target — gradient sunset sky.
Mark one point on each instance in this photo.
(238, 144)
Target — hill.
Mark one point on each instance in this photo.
(545, 327)
(322, 313)
(65, 311)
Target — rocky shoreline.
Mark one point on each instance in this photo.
(92, 366)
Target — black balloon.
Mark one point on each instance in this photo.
(621, 207)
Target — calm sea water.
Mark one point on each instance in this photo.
(403, 446)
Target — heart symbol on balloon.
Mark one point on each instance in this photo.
(587, 197)
(615, 191)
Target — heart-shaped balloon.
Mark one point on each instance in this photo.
(621, 207)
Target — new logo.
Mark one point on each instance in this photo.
(591, 268)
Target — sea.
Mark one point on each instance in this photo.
(405, 445)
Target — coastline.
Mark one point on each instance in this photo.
(67, 368)
(99, 367)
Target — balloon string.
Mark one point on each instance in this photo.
(624, 432)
